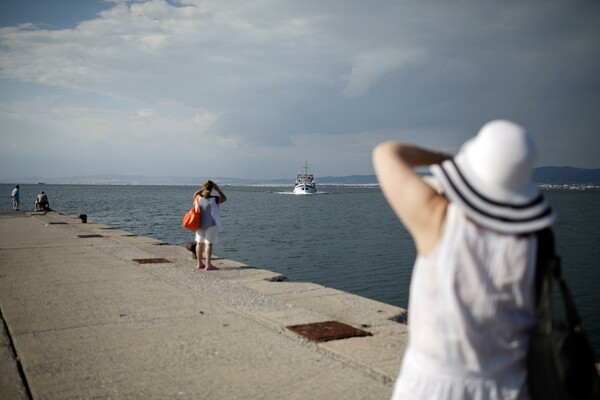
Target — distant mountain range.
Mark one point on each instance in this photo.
(550, 175)
(546, 175)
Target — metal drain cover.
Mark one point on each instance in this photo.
(152, 261)
(89, 236)
(328, 330)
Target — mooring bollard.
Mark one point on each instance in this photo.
(83, 218)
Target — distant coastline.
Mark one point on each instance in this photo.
(550, 178)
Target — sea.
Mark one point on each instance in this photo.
(344, 237)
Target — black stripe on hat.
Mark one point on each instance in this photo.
(532, 203)
(547, 211)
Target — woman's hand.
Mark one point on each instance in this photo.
(222, 197)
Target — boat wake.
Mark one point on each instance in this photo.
(300, 195)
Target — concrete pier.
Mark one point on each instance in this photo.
(89, 311)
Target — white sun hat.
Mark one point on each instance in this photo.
(491, 180)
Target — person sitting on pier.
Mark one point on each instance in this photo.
(41, 202)
(471, 307)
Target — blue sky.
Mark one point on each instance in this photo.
(253, 88)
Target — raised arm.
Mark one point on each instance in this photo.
(222, 197)
(420, 208)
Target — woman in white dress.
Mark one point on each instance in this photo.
(471, 307)
(210, 221)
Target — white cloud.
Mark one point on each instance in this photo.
(205, 119)
(146, 112)
(370, 68)
(62, 133)
(261, 82)
(132, 46)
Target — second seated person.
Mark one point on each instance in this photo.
(41, 202)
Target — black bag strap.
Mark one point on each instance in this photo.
(547, 271)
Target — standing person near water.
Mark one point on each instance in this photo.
(15, 198)
(471, 307)
(210, 220)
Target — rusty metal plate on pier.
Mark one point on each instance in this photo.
(152, 261)
(326, 331)
(89, 236)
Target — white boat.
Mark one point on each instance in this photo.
(305, 183)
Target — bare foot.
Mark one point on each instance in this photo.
(211, 268)
(200, 266)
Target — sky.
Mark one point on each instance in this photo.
(252, 89)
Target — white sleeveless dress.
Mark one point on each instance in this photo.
(470, 312)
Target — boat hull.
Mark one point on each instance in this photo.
(305, 189)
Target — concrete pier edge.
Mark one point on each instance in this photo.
(83, 320)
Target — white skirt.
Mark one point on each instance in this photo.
(422, 379)
(208, 235)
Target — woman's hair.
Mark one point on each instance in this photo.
(206, 188)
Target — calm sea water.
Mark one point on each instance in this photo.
(346, 238)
